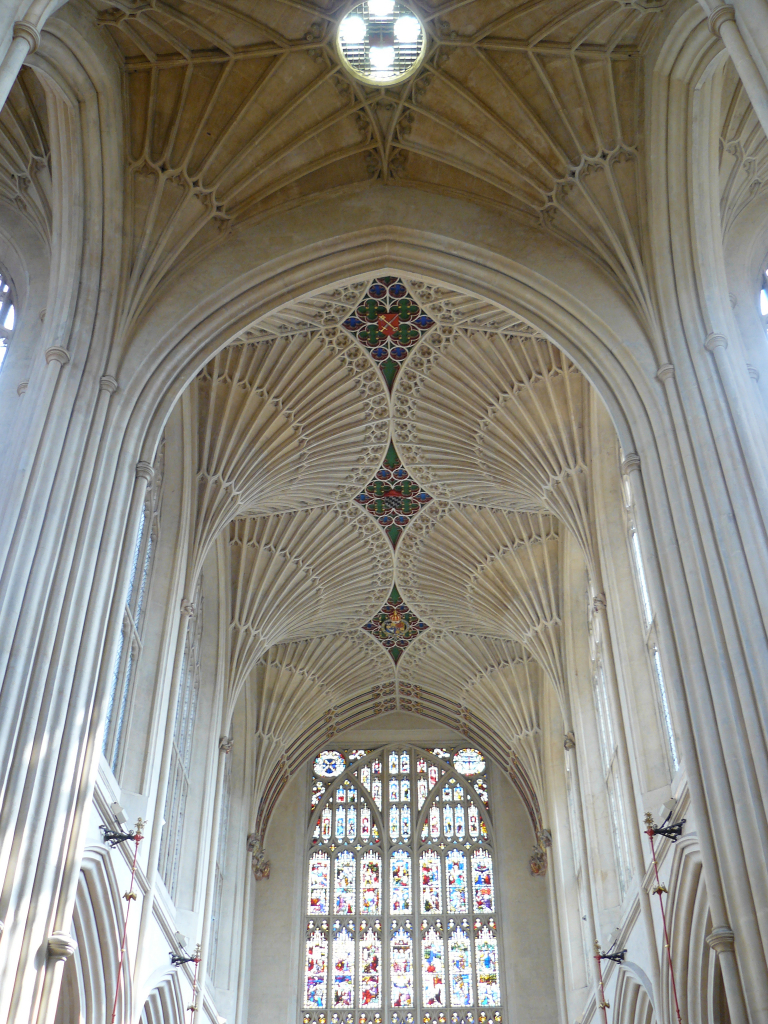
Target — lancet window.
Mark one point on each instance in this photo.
(401, 904)
(7, 315)
(181, 750)
(649, 625)
(131, 635)
(609, 754)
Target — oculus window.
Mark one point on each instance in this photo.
(401, 908)
(381, 41)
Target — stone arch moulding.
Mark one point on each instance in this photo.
(602, 338)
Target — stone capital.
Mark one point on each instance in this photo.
(713, 341)
(569, 741)
(718, 17)
(225, 744)
(25, 30)
(21, 387)
(56, 354)
(144, 472)
(753, 371)
(665, 371)
(721, 939)
(187, 608)
(631, 463)
(61, 946)
(108, 383)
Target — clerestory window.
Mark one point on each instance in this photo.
(7, 315)
(131, 639)
(649, 624)
(401, 911)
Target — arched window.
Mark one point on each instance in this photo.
(400, 902)
(132, 634)
(7, 315)
(649, 624)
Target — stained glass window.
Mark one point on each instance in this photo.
(400, 923)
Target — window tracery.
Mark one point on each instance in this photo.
(401, 903)
(131, 640)
(649, 620)
(181, 750)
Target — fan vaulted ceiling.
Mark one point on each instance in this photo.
(236, 109)
(394, 465)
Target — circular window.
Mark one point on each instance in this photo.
(329, 764)
(381, 41)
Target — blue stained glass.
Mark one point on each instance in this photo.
(344, 884)
(456, 882)
(344, 969)
(316, 970)
(433, 969)
(329, 764)
(460, 969)
(487, 968)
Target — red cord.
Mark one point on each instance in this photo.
(659, 890)
(193, 1006)
(129, 897)
(603, 1005)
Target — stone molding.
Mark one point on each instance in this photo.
(25, 30)
(718, 17)
(713, 341)
(144, 472)
(721, 939)
(21, 387)
(57, 354)
(631, 463)
(108, 383)
(61, 946)
(665, 371)
(753, 371)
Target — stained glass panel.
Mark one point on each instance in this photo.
(469, 762)
(400, 888)
(329, 764)
(482, 882)
(370, 884)
(344, 884)
(365, 823)
(370, 970)
(394, 823)
(458, 822)
(422, 792)
(456, 881)
(433, 969)
(431, 890)
(487, 966)
(316, 970)
(343, 969)
(460, 969)
(401, 968)
(374, 942)
(405, 823)
(319, 883)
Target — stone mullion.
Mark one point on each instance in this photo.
(42, 800)
(698, 731)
